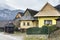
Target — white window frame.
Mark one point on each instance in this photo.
(49, 22)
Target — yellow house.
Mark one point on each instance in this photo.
(47, 15)
(28, 20)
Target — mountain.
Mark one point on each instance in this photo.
(7, 12)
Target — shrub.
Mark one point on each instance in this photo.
(46, 29)
(16, 29)
(34, 30)
(52, 28)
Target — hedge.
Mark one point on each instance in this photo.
(34, 30)
(44, 30)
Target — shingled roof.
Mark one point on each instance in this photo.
(29, 15)
(32, 12)
(48, 10)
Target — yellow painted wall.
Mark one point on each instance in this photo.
(41, 20)
(32, 24)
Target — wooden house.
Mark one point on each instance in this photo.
(58, 20)
(28, 20)
(19, 14)
(3, 24)
(9, 28)
(16, 21)
(47, 15)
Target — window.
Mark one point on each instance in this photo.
(48, 22)
(24, 23)
(28, 24)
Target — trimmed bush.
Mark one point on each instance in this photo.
(46, 29)
(34, 30)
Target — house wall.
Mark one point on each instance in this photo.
(32, 24)
(58, 23)
(41, 20)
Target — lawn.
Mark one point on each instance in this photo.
(32, 37)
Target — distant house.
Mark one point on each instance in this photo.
(9, 28)
(28, 20)
(3, 23)
(16, 21)
(47, 15)
(19, 15)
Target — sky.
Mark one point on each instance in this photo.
(32, 4)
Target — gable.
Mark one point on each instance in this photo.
(48, 10)
(47, 7)
(27, 16)
(27, 13)
(18, 15)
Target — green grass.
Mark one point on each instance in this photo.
(19, 33)
(34, 38)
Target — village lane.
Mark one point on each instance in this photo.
(10, 37)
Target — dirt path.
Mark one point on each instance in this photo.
(10, 37)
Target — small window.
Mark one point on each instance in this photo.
(28, 24)
(48, 22)
(24, 24)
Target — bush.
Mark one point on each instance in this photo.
(34, 30)
(16, 29)
(46, 29)
(52, 28)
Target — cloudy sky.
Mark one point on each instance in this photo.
(33, 4)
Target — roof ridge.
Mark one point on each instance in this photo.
(31, 9)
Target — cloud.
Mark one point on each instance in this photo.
(2, 1)
(54, 2)
(33, 4)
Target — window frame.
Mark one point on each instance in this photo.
(23, 23)
(28, 24)
(47, 22)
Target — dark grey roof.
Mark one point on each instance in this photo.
(57, 7)
(32, 12)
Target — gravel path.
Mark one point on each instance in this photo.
(10, 37)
